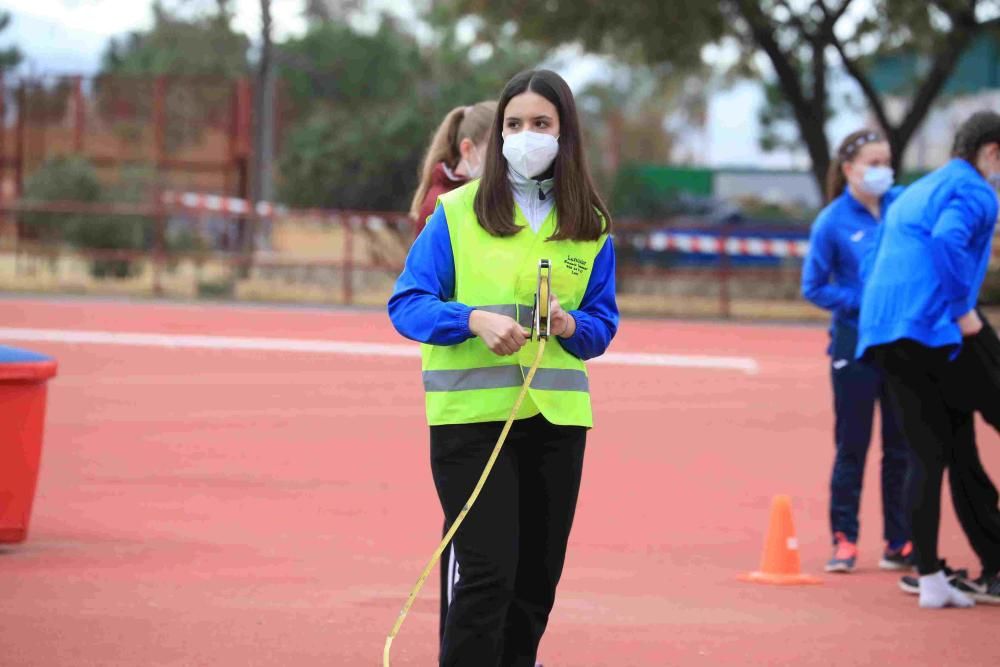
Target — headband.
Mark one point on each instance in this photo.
(850, 149)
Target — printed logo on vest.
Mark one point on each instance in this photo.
(575, 265)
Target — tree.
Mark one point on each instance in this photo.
(330, 10)
(204, 47)
(639, 116)
(264, 110)
(11, 56)
(64, 178)
(363, 107)
(73, 178)
(801, 41)
(354, 127)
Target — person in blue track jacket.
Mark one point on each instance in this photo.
(918, 320)
(859, 190)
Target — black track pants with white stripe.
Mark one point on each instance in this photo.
(511, 547)
(449, 577)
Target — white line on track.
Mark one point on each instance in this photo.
(353, 348)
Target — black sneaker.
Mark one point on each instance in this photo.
(909, 584)
(957, 578)
(900, 559)
(987, 590)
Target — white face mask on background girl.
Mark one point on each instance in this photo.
(877, 180)
(473, 172)
(993, 175)
(530, 153)
(994, 180)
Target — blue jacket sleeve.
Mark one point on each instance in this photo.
(962, 220)
(597, 316)
(421, 306)
(818, 269)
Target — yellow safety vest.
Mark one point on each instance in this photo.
(467, 383)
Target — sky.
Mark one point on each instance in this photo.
(69, 36)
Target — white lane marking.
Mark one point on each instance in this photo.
(744, 364)
(354, 348)
(209, 342)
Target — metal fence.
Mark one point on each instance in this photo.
(179, 248)
(322, 256)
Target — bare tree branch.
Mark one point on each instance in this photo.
(946, 57)
(958, 10)
(811, 122)
(797, 21)
(819, 78)
(945, 61)
(832, 17)
(763, 34)
(871, 95)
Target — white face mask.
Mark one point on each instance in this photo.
(478, 171)
(877, 180)
(994, 180)
(530, 153)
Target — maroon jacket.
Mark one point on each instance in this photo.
(442, 181)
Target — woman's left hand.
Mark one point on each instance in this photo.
(561, 323)
(970, 324)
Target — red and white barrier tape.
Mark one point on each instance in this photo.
(659, 241)
(704, 243)
(217, 204)
(203, 203)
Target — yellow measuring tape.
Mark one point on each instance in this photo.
(540, 328)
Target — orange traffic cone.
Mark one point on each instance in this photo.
(780, 564)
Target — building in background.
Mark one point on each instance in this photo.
(974, 86)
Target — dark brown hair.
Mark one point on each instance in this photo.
(848, 150)
(979, 129)
(472, 122)
(579, 209)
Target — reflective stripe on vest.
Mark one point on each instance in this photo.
(497, 377)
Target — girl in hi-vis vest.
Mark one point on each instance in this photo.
(467, 293)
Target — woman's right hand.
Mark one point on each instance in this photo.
(502, 334)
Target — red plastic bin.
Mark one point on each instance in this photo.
(23, 385)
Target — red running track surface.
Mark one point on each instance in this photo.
(216, 507)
